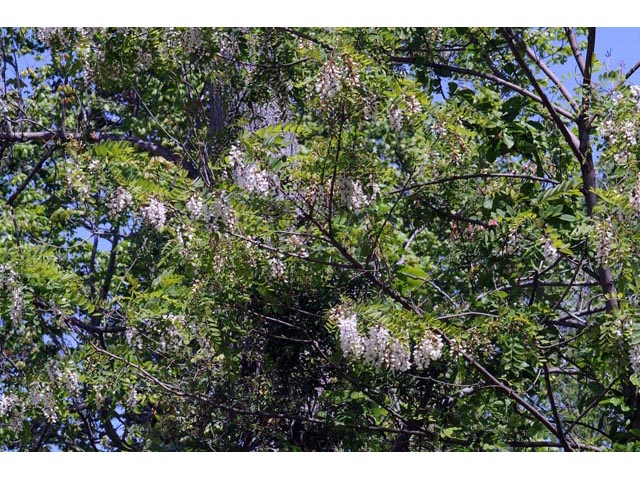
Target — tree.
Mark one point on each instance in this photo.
(317, 239)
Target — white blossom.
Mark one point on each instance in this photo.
(348, 193)
(376, 344)
(71, 380)
(41, 397)
(328, 83)
(277, 267)
(155, 213)
(17, 299)
(634, 358)
(195, 207)
(413, 105)
(635, 94)
(251, 178)
(549, 251)
(7, 402)
(132, 398)
(628, 132)
(605, 241)
(370, 108)
(396, 115)
(634, 196)
(297, 243)
(351, 342)
(220, 212)
(430, 348)
(235, 156)
(397, 357)
(438, 128)
(9, 280)
(120, 199)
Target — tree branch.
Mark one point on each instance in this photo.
(47, 153)
(96, 137)
(571, 140)
(486, 76)
(559, 433)
(547, 71)
(575, 48)
(476, 175)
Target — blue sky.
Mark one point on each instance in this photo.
(623, 44)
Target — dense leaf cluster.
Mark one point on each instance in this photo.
(317, 239)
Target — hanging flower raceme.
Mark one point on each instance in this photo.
(155, 213)
(349, 193)
(634, 358)
(328, 83)
(634, 196)
(430, 348)
(334, 76)
(398, 356)
(549, 251)
(119, 201)
(249, 176)
(396, 116)
(195, 207)
(606, 241)
(9, 281)
(377, 347)
(351, 342)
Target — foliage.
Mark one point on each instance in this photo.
(317, 239)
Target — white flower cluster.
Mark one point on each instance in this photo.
(622, 132)
(398, 356)
(119, 201)
(41, 397)
(623, 327)
(396, 116)
(332, 76)
(235, 155)
(195, 207)
(76, 180)
(413, 105)
(410, 106)
(378, 347)
(132, 398)
(46, 35)
(71, 381)
(430, 348)
(328, 82)
(370, 108)
(629, 133)
(634, 196)
(9, 280)
(69, 377)
(277, 267)
(298, 245)
(549, 252)
(634, 90)
(155, 213)
(249, 176)
(348, 193)
(376, 344)
(350, 340)
(634, 358)
(438, 128)
(606, 240)
(7, 402)
(220, 212)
